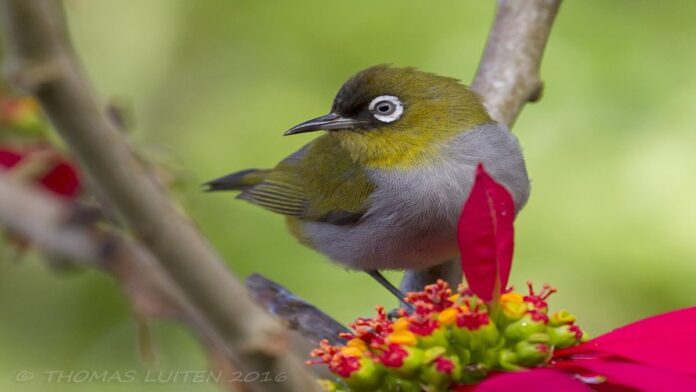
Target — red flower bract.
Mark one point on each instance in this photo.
(667, 340)
(486, 236)
(537, 380)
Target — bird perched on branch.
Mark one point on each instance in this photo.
(384, 186)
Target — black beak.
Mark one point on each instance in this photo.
(327, 122)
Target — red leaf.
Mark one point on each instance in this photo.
(621, 375)
(667, 340)
(486, 236)
(536, 380)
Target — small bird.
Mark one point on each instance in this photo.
(384, 186)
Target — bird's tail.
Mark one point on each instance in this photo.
(238, 181)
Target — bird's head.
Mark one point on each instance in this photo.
(388, 117)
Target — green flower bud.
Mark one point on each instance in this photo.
(489, 357)
(442, 372)
(463, 353)
(565, 336)
(532, 354)
(367, 377)
(562, 317)
(528, 325)
(394, 383)
(476, 336)
(438, 338)
(538, 338)
(512, 308)
(473, 373)
(433, 353)
(507, 359)
(412, 362)
(403, 360)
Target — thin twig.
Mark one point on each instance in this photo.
(41, 60)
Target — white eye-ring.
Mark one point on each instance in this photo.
(386, 108)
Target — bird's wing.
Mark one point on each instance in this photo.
(319, 182)
(280, 190)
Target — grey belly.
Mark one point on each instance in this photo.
(375, 244)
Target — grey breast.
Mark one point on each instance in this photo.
(437, 191)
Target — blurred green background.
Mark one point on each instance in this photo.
(213, 84)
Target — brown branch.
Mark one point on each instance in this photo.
(40, 59)
(297, 313)
(507, 78)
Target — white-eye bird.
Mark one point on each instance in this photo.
(384, 186)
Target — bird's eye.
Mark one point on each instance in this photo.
(386, 108)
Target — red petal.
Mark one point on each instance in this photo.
(536, 380)
(63, 180)
(634, 375)
(486, 236)
(667, 340)
(9, 157)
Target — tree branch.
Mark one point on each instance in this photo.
(297, 313)
(40, 59)
(507, 78)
